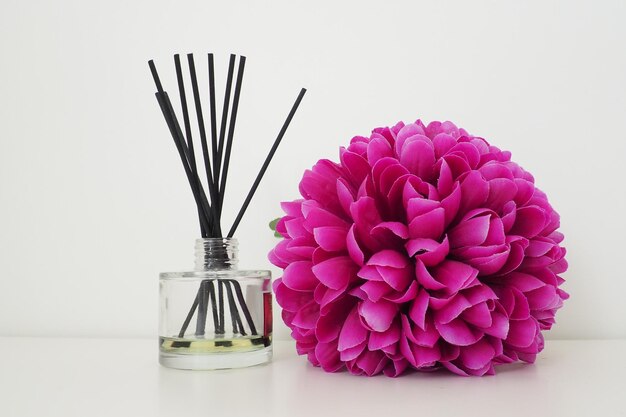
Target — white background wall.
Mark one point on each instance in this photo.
(94, 202)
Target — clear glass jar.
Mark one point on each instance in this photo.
(216, 316)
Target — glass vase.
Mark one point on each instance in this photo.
(216, 316)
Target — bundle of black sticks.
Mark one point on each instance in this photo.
(216, 164)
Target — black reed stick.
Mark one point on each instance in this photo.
(203, 140)
(268, 159)
(234, 314)
(231, 127)
(213, 121)
(244, 306)
(183, 104)
(202, 309)
(192, 310)
(220, 149)
(220, 293)
(177, 136)
(216, 322)
(204, 219)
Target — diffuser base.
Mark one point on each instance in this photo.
(204, 355)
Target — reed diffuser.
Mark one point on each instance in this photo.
(215, 316)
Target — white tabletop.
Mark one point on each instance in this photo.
(121, 377)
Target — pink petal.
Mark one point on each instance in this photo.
(525, 191)
(307, 316)
(478, 355)
(490, 264)
(353, 352)
(522, 332)
(328, 295)
(471, 232)
(275, 260)
(538, 247)
(442, 144)
(292, 208)
(398, 279)
(494, 170)
(356, 165)
(397, 228)
(499, 327)
(389, 258)
(378, 148)
(496, 235)
(445, 180)
(529, 221)
(524, 282)
(354, 250)
(429, 225)
(425, 356)
(378, 316)
(295, 227)
(289, 299)
(375, 290)
(426, 337)
(509, 211)
(372, 363)
(418, 156)
(329, 325)
(406, 132)
(501, 191)
(370, 273)
(379, 340)
(396, 368)
(454, 307)
(318, 217)
(457, 332)
(352, 332)
(521, 309)
(479, 294)
(458, 165)
(542, 298)
(330, 238)
(478, 315)
(417, 310)
(430, 251)
(320, 255)
(474, 191)
(453, 368)
(390, 176)
(449, 352)
(416, 206)
(452, 203)
(400, 298)
(283, 254)
(454, 275)
(345, 195)
(299, 276)
(302, 246)
(328, 356)
(319, 184)
(468, 151)
(425, 278)
(336, 272)
(514, 260)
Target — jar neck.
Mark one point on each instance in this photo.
(216, 253)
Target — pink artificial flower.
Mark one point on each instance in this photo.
(424, 248)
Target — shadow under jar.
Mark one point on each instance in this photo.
(215, 317)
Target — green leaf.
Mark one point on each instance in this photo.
(272, 225)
